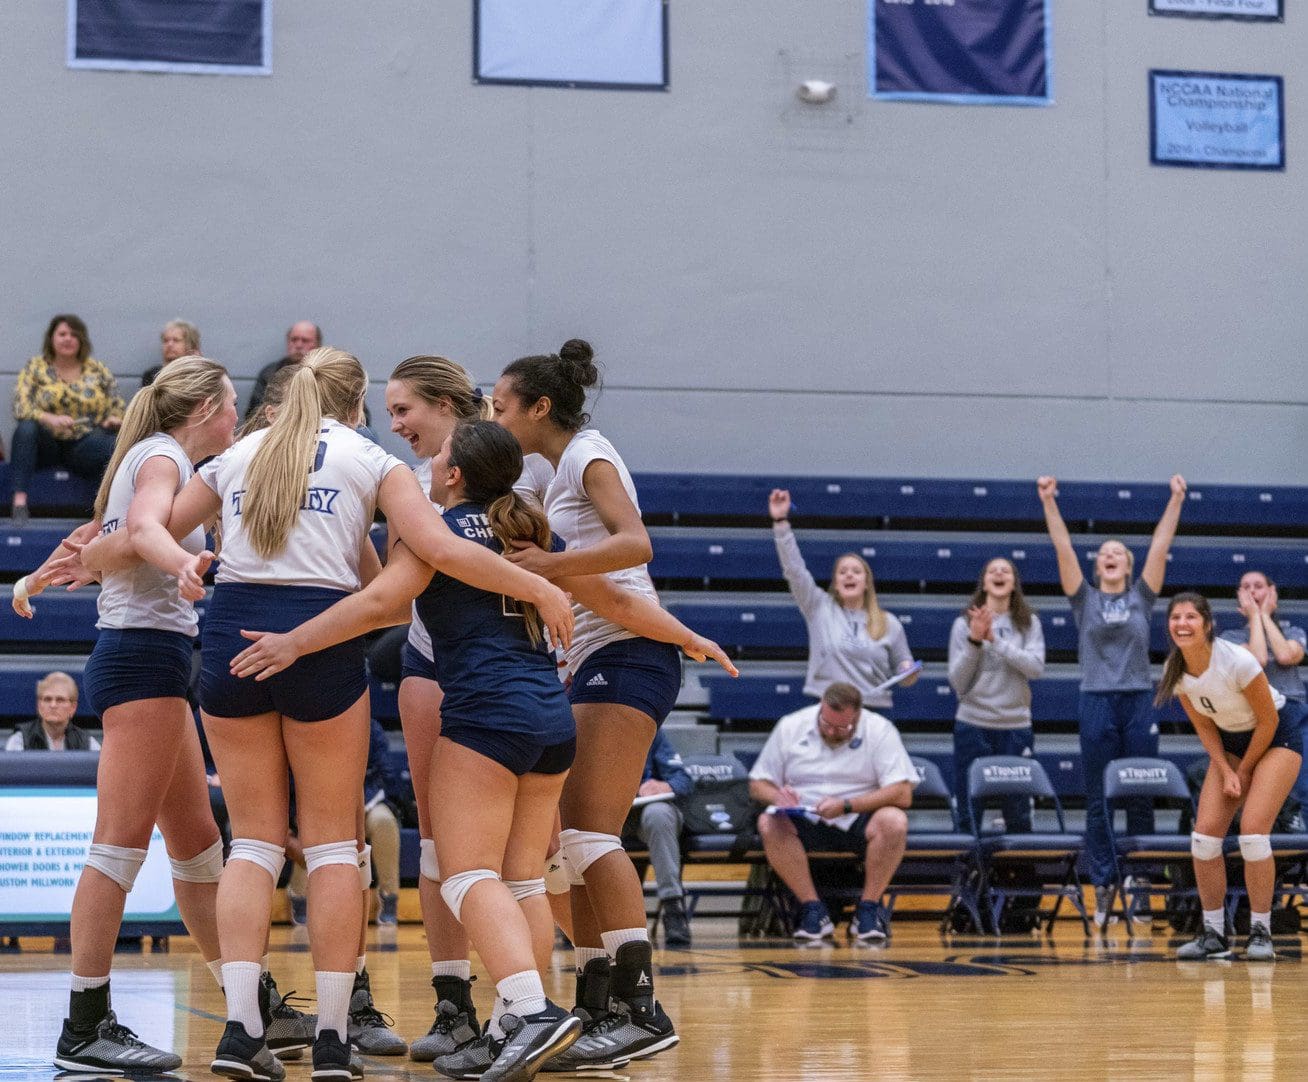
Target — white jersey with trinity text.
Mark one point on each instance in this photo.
(143, 596)
(574, 518)
(324, 545)
(1218, 691)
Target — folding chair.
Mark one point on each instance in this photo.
(1134, 855)
(1047, 856)
(938, 856)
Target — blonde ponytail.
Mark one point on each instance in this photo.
(164, 405)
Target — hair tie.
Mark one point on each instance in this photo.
(477, 396)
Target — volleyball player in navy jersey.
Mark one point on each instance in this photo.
(296, 501)
(622, 689)
(151, 769)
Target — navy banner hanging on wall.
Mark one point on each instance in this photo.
(1269, 11)
(219, 37)
(974, 52)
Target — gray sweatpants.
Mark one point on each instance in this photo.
(660, 829)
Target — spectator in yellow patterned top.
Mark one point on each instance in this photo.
(68, 410)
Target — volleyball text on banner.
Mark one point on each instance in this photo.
(973, 52)
(1216, 121)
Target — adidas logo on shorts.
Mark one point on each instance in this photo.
(597, 681)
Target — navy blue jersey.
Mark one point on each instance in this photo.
(487, 667)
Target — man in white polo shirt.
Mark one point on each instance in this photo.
(835, 777)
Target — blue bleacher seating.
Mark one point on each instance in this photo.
(52, 490)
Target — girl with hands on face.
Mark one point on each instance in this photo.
(851, 639)
(1252, 735)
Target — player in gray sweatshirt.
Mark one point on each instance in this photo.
(996, 648)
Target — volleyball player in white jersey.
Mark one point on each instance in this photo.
(1252, 738)
(151, 769)
(622, 688)
(296, 501)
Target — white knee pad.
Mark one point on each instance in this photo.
(117, 862)
(522, 889)
(365, 867)
(1205, 846)
(456, 887)
(268, 855)
(558, 876)
(1255, 847)
(207, 867)
(427, 866)
(583, 847)
(329, 853)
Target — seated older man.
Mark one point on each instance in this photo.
(836, 777)
(53, 729)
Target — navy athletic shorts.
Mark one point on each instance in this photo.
(412, 663)
(317, 687)
(639, 673)
(129, 664)
(520, 753)
(1289, 732)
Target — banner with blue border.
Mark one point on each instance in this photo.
(1211, 120)
(1267, 11)
(199, 37)
(968, 52)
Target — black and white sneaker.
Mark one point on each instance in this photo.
(286, 1030)
(616, 1039)
(1207, 944)
(1259, 947)
(530, 1041)
(110, 1049)
(452, 1030)
(244, 1057)
(472, 1060)
(332, 1061)
(369, 1030)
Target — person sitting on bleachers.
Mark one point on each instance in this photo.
(179, 339)
(301, 337)
(837, 778)
(383, 792)
(658, 824)
(53, 729)
(67, 407)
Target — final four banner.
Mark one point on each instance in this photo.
(972, 52)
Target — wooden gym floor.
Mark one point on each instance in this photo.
(921, 1008)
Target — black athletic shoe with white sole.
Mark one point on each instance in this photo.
(286, 1030)
(470, 1060)
(244, 1057)
(110, 1049)
(615, 1039)
(530, 1041)
(332, 1061)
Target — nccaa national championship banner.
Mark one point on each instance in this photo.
(976, 52)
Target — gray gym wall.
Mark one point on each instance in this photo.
(862, 288)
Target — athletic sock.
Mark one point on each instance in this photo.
(241, 983)
(360, 963)
(613, 940)
(263, 966)
(1265, 919)
(520, 994)
(88, 1002)
(460, 969)
(216, 968)
(334, 1000)
(1216, 920)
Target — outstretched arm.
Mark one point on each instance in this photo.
(49, 573)
(1069, 568)
(148, 523)
(1155, 565)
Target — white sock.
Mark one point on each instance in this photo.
(613, 940)
(1265, 919)
(216, 968)
(520, 994)
(85, 984)
(583, 955)
(360, 962)
(333, 1001)
(241, 983)
(462, 970)
(264, 965)
(1216, 920)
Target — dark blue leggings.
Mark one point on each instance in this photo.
(33, 446)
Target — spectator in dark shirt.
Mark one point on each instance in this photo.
(300, 338)
(53, 729)
(179, 339)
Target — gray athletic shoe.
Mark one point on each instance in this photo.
(452, 1030)
(473, 1060)
(613, 1040)
(287, 1031)
(369, 1029)
(1259, 946)
(1207, 944)
(244, 1057)
(111, 1049)
(530, 1041)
